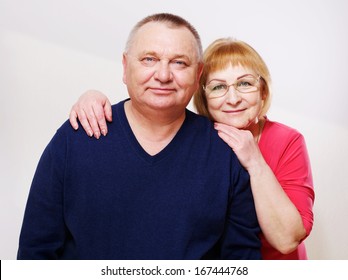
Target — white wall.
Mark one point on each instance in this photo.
(52, 51)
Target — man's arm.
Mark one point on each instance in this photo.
(43, 231)
(241, 236)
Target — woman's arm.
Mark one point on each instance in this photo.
(279, 219)
(92, 109)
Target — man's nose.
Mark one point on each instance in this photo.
(163, 72)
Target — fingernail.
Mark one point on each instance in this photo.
(104, 132)
(97, 135)
(90, 133)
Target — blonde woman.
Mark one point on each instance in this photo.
(235, 94)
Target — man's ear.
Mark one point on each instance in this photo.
(124, 63)
(200, 70)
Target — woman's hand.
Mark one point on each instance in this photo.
(279, 219)
(242, 143)
(92, 109)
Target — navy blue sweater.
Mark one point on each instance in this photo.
(109, 199)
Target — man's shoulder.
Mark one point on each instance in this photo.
(194, 118)
(203, 130)
(119, 105)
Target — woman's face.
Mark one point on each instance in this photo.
(235, 108)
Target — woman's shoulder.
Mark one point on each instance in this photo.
(280, 129)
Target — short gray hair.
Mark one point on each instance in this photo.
(171, 20)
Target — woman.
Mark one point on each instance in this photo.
(235, 94)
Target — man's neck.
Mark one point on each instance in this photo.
(154, 130)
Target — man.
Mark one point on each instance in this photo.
(162, 185)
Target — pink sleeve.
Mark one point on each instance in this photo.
(295, 176)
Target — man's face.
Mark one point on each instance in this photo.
(161, 68)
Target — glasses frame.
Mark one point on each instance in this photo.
(258, 78)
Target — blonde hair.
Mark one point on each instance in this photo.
(226, 51)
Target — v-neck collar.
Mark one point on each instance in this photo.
(135, 145)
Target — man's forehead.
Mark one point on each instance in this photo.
(162, 39)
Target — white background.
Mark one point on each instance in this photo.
(52, 51)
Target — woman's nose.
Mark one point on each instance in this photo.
(233, 96)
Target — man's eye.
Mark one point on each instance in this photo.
(179, 64)
(149, 61)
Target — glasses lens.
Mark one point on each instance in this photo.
(214, 90)
(246, 84)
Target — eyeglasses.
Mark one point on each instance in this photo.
(245, 84)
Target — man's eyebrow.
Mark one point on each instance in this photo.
(149, 53)
(145, 53)
(173, 56)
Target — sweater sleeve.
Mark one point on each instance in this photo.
(241, 236)
(43, 231)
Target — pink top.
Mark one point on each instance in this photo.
(285, 151)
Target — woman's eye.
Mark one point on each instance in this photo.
(219, 87)
(246, 82)
(243, 83)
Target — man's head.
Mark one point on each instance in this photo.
(162, 62)
(170, 20)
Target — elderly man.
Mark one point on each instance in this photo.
(161, 185)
